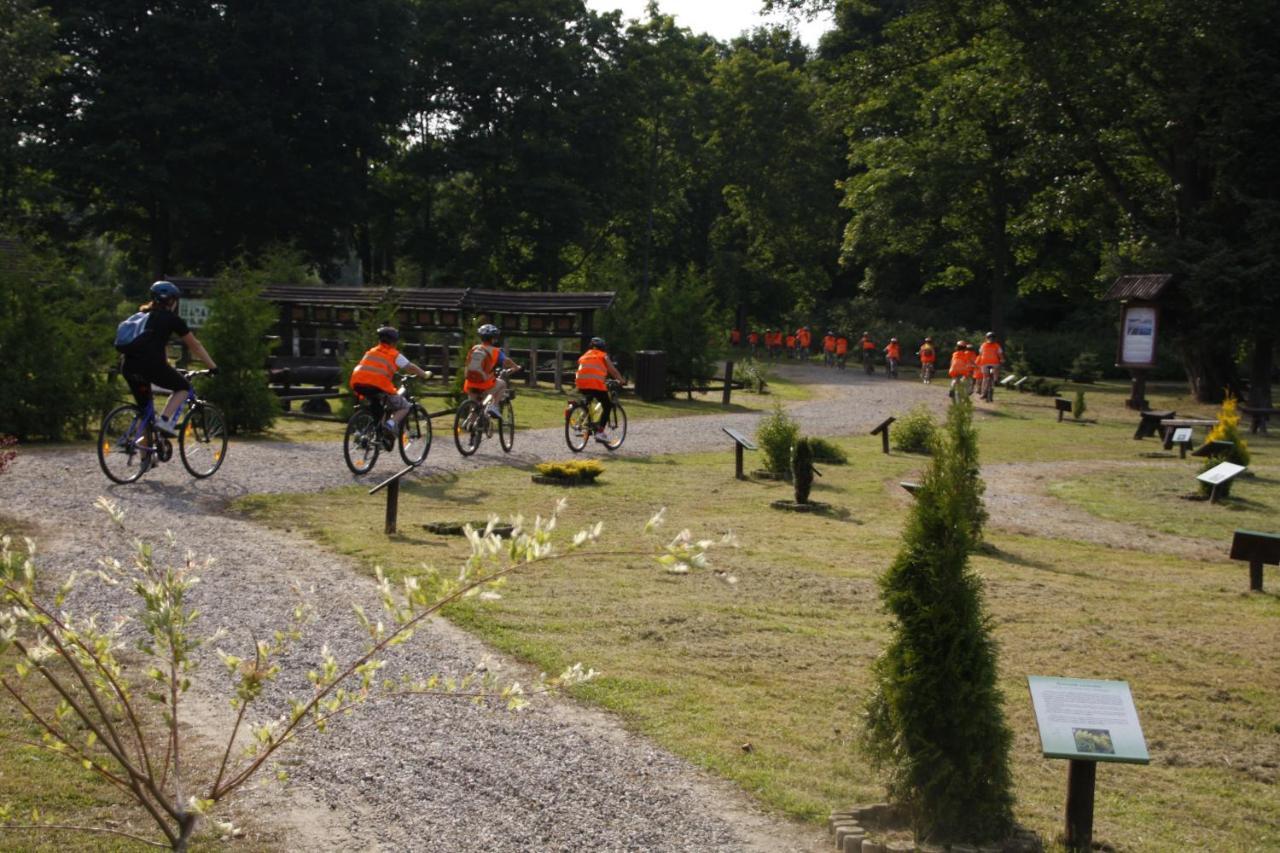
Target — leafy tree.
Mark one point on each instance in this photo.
(681, 322)
(935, 720)
(235, 336)
(27, 59)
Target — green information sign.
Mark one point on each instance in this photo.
(1087, 720)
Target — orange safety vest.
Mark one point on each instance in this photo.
(961, 362)
(977, 369)
(805, 338)
(735, 337)
(829, 343)
(376, 368)
(990, 353)
(893, 351)
(481, 364)
(753, 339)
(842, 346)
(791, 341)
(927, 354)
(593, 370)
(867, 343)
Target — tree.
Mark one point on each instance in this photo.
(681, 322)
(236, 337)
(27, 59)
(935, 720)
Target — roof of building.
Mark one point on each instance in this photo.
(1147, 286)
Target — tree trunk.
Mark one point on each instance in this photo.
(1211, 370)
(1261, 365)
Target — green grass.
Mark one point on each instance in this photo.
(780, 660)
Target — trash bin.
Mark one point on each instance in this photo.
(651, 375)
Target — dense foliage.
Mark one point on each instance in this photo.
(776, 434)
(935, 721)
(236, 339)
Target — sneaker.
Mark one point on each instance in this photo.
(166, 426)
(602, 437)
(390, 426)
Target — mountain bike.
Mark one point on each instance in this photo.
(987, 389)
(582, 420)
(869, 361)
(472, 422)
(367, 434)
(130, 444)
(926, 372)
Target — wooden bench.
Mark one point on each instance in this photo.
(1168, 425)
(740, 443)
(883, 431)
(1259, 417)
(1149, 423)
(1256, 549)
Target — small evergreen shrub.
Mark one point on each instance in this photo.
(573, 470)
(828, 452)
(1086, 368)
(802, 470)
(235, 336)
(1078, 407)
(1228, 429)
(776, 435)
(915, 431)
(753, 375)
(1042, 387)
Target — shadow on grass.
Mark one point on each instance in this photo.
(1010, 558)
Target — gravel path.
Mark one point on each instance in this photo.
(430, 774)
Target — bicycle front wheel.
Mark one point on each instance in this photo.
(577, 427)
(617, 427)
(507, 426)
(202, 441)
(466, 427)
(118, 452)
(415, 436)
(360, 443)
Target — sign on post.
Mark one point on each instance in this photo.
(1256, 549)
(194, 312)
(1223, 472)
(1085, 721)
(883, 431)
(1138, 336)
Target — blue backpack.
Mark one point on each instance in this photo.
(131, 334)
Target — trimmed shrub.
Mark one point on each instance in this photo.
(1078, 407)
(1227, 429)
(935, 720)
(776, 435)
(826, 451)
(1043, 387)
(802, 470)
(915, 431)
(1086, 368)
(753, 375)
(573, 470)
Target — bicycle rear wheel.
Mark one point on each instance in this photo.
(507, 426)
(360, 443)
(617, 427)
(118, 452)
(415, 436)
(466, 427)
(577, 426)
(202, 441)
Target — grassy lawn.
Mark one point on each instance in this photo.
(780, 660)
(541, 407)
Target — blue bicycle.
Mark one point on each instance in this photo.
(129, 444)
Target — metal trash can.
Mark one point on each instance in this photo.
(651, 375)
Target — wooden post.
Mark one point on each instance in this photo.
(1255, 576)
(728, 383)
(559, 366)
(1138, 392)
(444, 362)
(738, 472)
(393, 506)
(1081, 779)
(884, 440)
(532, 381)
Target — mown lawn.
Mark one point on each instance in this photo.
(780, 660)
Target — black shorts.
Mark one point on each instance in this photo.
(141, 375)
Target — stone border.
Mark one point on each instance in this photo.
(548, 480)
(792, 506)
(880, 827)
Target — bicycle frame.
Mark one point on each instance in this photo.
(147, 421)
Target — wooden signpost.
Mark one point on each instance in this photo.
(1223, 472)
(1182, 438)
(740, 442)
(1256, 549)
(1085, 722)
(883, 431)
(1063, 405)
(392, 485)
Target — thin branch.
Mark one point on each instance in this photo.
(100, 829)
(73, 749)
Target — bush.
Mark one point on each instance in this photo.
(1086, 368)
(753, 375)
(802, 470)
(1228, 429)
(1078, 408)
(915, 431)
(680, 322)
(1042, 387)
(776, 435)
(825, 451)
(935, 720)
(235, 337)
(574, 470)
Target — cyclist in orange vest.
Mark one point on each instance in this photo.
(842, 350)
(373, 376)
(990, 357)
(594, 369)
(753, 340)
(961, 370)
(928, 359)
(892, 355)
(735, 337)
(829, 349)
(791, 345)
(868, 348)
(483, 363)
(806, 339)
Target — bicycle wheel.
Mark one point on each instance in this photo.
(617, 427)
(466, 427)
(202, 441)
(118, 452)
(415, 436)
(577, 426)
(360, 443)
(507, 426)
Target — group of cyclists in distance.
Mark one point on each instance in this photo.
(972, 366)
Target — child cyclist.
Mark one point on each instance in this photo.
(483, 363)
(373, 376)
(594, 369)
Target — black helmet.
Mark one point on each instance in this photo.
(488, 331)
(163, 291)
(388, 334)
(599, 343)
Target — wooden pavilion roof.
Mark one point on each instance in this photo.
(1147, 286)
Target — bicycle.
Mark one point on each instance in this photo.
(367, 434)
(130, 444)
(472, 422)
(891, 368)
(988, 389)
(926, 372)
(582, 416)
(868, 361)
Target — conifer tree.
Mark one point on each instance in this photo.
(935, 721)
(802, 470)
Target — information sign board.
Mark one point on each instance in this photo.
(1138, 336)
(1182, 435)
(194, 311)
(1087, 720)
(1220, 473)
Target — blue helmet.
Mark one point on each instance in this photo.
(163, 291)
